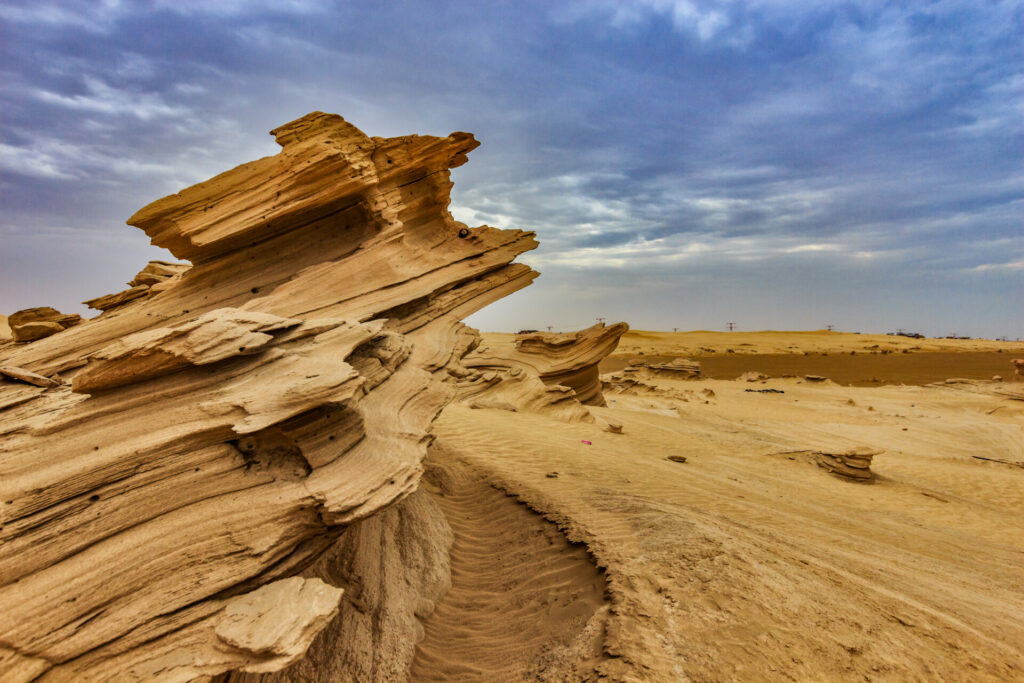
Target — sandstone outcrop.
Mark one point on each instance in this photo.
(853, 464)
(559, 359)
(31, 324)
(147, 282)
(752, 376)
(554, 374)
(1018, 368)
(516, 389)
(677, 368)
(163, 516)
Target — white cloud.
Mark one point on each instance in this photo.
(103, 99)
(1012, 265)
(34, 162)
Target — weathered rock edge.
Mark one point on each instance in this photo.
(221, 431)
(554, 374)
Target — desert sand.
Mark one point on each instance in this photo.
(284, 458)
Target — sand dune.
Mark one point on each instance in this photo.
(742, 563)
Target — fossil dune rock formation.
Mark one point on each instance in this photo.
(559, 360)
(553, 374)
(160, 514)
(852, 464)
(147, 282)
(677, 368)
(31, 324)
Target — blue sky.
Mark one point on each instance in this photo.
(685, 163)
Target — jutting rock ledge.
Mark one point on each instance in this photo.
(207, 439)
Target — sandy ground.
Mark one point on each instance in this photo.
(863, 369)
(746, 563)
(525, 604)
(703, 342)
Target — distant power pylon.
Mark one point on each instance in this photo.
(600, 320)
(549, 328)
(731, 326)
(829, 327)
(675, 329)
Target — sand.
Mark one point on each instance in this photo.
(748, 562)
(846, 368)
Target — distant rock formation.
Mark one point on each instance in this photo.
(853, 464)
(164, 515)
(752, 376)
(516, 389)
(1018, 368)
(147, 282)
(555, 374)
(677, 368)
(32, 324)
(559, 359)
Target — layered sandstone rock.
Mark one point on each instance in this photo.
(853, 464)
(677, 368)
(147, 282)
(163, 515)
(569, 360)
(31, 324)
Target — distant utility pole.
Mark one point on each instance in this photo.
(600, 320)
(675, 329)
(899, 330)
(549, 328)
(731, 326)
(829, 327)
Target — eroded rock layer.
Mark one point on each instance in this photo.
(566, 365)
(219, 432)
(31, 324)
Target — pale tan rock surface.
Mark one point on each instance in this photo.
(151, 280)
(394, 567)
(566, 365)
(31, 324)
(220, 433)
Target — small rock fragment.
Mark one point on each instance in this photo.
(30, 324)
(752, 376)
(23, 375)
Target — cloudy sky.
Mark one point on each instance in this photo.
(685, 163)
